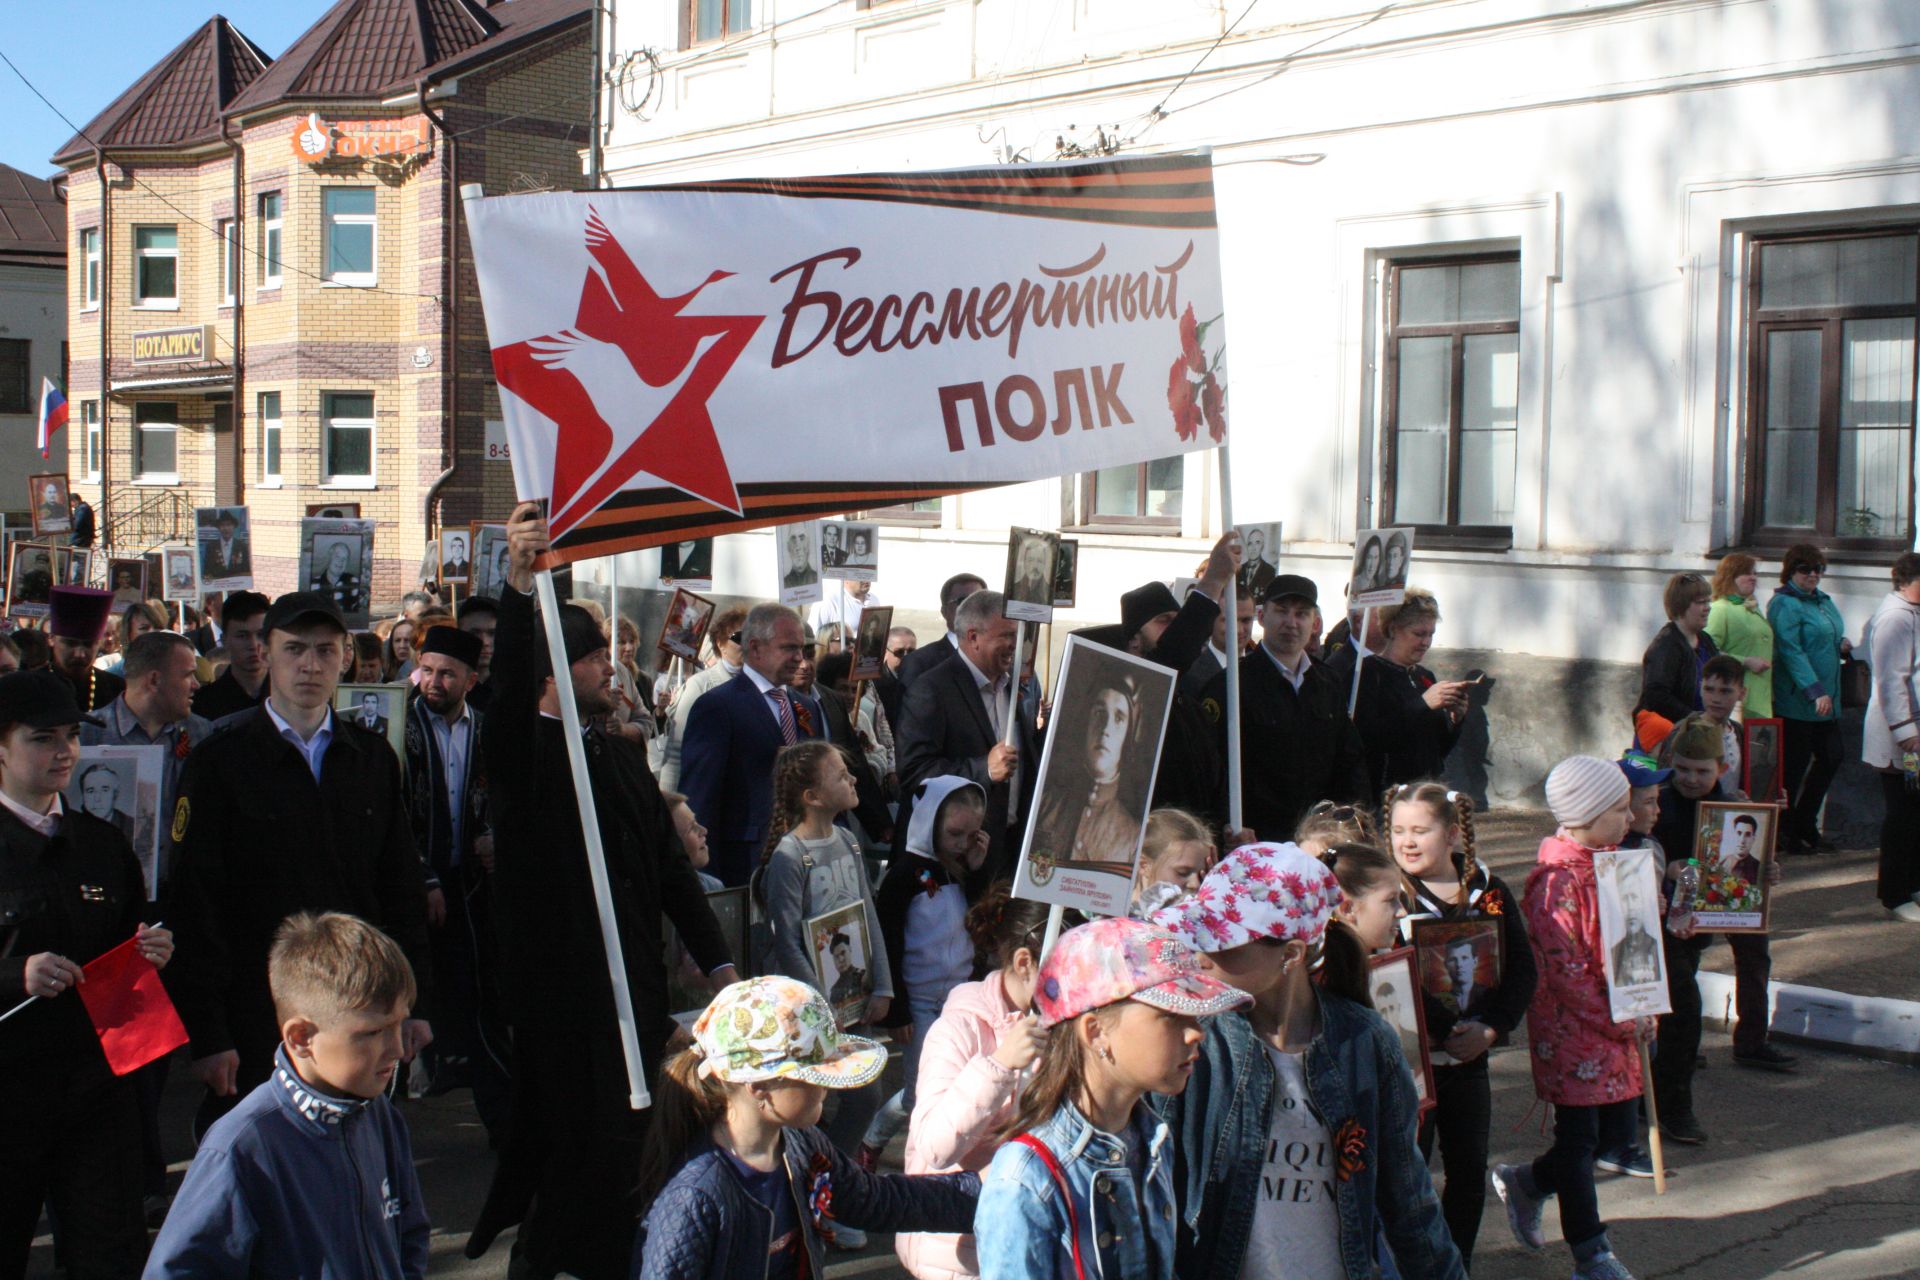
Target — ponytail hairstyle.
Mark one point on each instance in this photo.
(1001, 924)
(1167, 827)
(685, 1106)
(1452, 808)
(1360, 868)
(1342, 965)
(1329, 824)
(794, 770)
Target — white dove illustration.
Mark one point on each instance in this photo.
(625, 401)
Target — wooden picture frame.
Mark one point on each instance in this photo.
(1762, 773)
(1398, 971)
(47, 509)
(870, 643)
(683, 628)
(848, 990)
(30, 579)
(136, 589)
(1734, 845)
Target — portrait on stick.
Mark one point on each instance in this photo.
(1628, 885)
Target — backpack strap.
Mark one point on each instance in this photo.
(1045, 1153)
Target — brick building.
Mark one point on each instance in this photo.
(261, 247)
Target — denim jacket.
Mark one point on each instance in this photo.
(1021, 1228)
(1360, 1087)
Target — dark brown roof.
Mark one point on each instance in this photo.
(372, 49)
(178, 103)
(33, 219)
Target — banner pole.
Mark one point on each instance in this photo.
(613, 602)
(1231, 603)
(1653, 1124)
(1056, 916)
(1011, 720)
(1360, 656)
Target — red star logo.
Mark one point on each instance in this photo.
(627, 387)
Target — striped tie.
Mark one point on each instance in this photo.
(788, 730)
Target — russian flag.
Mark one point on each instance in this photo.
(53, 412)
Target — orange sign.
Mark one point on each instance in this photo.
(317, 140)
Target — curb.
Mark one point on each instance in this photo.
(1870, 1026)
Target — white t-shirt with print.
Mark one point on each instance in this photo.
(1296, 1221)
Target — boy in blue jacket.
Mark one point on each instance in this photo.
(312, 1174)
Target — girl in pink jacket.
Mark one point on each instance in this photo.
(971, 1066)
(1584, 1063)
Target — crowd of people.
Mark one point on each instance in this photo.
(1197, 1089)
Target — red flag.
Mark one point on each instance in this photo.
(130, 1009)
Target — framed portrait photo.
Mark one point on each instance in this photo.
(870, 642)
(490, 558)
(1082, 848)
(797, 562)
(224, 538)
(1628, 885)
(843, 961)
(73, 566)
(1762, 776)
(1066, 573)
(1460, 963)
(179, 575)
(120, 785)
(689, 989)
(1395, 988)
(1382, 559)
(29, 579)
(850, 550)
(687, 564)
(47, 504)
(127, 579)
(1031, 558)
(336, 561)
(1259, 558)
(684, 628)
(455, 551)
(1734, 844)
(377, 708)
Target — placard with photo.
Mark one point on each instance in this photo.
(1259, 558)
(689, 989)
(336, 561)
(797, 562)
(224, 536)
(1395, 989)
(1734, 844)
(850, 550)
(29, 580)
(429, 564)
(377, 708)
(1381, 560)
(120, 785)
(47, 504)
(684, 628)
(1628, 885)
(455, 550)
(1460, 963)
(687, 564)
(1762, 778)
(1032, 556)
(73, 566)
(334, 510)
(179, 575)
(127, 579)
(491, 558)
(842, 959)
(870, 642)
(1082, 848)
(1066, 573)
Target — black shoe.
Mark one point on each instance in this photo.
(1765, 1058)
(1822, 844)
(1798, 846)
(1683, 1129)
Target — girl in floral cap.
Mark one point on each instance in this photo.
(1296, 1136)
(743, 1184)
(1084, 1186)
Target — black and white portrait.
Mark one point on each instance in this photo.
(181, 575)
(456, 556)
(843, 961)
(490, 554)
(850, 550)
(1096, 779)
(687, 564)
(1382, 559)
(127, 579)
(336, 561)
(29, 580)
(1259, 558)
(48, 509)
(120, 785)
(1066, 573)
(377, 708)
(223, 537)
(1031, 559)
(1628, 887)
(870, 642)
(1395, 989)
(797, 547)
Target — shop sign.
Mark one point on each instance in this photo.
(407, 137)
(173, 346)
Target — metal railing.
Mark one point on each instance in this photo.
(137, 521)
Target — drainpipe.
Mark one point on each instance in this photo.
(106, 359)
(239, 309)
(450, 341)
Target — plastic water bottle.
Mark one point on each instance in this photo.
(1686, 887)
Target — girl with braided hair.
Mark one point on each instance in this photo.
(1431, 830)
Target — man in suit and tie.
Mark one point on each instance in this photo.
(1463, 964)
(952, 722)
(454, 563)
(952, 592)
(369, 717)
(733, 734)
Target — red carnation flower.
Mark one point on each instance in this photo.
(1190, 342)
(1213, 401)
(1186, 414)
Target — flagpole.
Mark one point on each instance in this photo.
(1231, 603)
(637, 1096)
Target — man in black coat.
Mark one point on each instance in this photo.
(286, 808)
(927, 657)
(950, 723)
(77, 618)
(572, 1152)
(1297, 744)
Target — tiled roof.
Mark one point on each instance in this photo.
(373, 49)
(178, 102)
(33, 219)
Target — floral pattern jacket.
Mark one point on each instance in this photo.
(1581, 1056)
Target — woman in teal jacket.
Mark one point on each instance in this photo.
(1737, 629)
(1809, 639)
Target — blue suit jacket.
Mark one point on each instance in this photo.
(726, 769)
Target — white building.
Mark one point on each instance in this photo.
(1589, 292)
(33, 327)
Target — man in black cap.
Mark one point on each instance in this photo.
(243, 685)
(1297, 744)
(572, 1151)
(446, 800)
(76, 620)
(286, 808)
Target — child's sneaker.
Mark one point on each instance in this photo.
(1630, 1161)
(1523, 1210)
(1602, 1266)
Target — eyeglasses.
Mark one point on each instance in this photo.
(1811, 570)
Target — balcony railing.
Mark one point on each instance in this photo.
(139, 520)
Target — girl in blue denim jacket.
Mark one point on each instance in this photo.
(1084, 1186)
(1294, 1144)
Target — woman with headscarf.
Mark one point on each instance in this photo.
(1739, 630)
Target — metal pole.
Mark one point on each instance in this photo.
(1360, 655)
(1232, 605)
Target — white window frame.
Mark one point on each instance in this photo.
(140, 301)
(329, 220)
(328, 424)
(271, 434)
(273, 242)
(139, 447)
(90, 438)
(228, 231)
(90, 262)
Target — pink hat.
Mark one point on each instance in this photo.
(1257, 891)
(1109, 961)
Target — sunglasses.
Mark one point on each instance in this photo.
(898, 653)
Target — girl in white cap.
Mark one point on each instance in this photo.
(1297, 1134)
(1584, 1062)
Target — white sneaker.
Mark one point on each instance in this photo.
(1908, 911)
